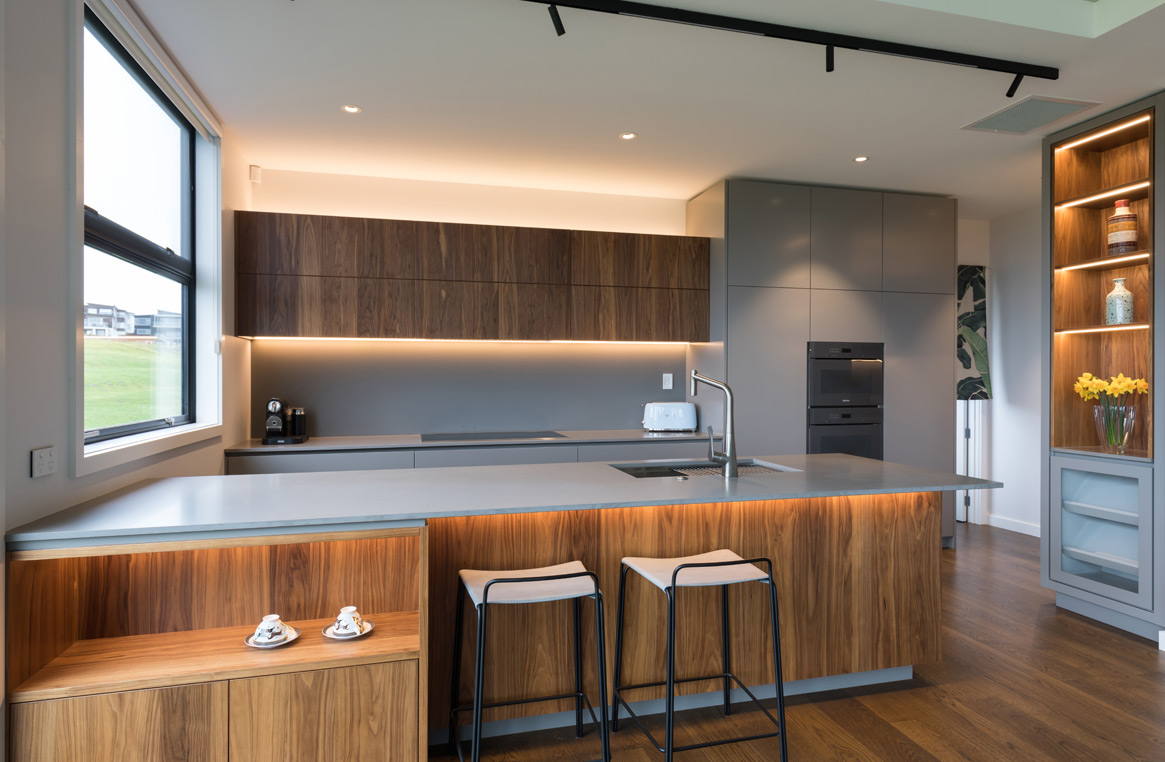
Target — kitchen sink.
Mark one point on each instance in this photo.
(479, 436)
(687, 468)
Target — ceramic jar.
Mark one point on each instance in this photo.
(1122, 230)
(1118, 305)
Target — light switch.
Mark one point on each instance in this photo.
(667, 381)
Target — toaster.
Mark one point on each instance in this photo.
(669, 416)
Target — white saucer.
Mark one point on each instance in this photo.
(329, 631)
(250, 639)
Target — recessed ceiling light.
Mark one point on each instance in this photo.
(628, 135)
(861, 159)
(352, 109)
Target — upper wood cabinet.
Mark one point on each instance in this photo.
(306, 275)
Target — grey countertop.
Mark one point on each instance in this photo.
(413, 441)
(191, 507)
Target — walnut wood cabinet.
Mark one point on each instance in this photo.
(136, 652)
(308, 275)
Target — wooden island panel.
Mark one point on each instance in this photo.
(857, 581)
(136, 726)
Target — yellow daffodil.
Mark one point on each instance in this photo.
(1090, 387)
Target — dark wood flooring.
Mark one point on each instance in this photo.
(1019, 680)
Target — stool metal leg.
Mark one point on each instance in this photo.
(578, 681)
(670, 698)
(458, 629)
(604, 733)
(784, 738)
(619, 642)
(725, 640)
(478, 685)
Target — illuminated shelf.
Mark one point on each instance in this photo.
(1131, 259)
(1103, 329)
(1105, 198)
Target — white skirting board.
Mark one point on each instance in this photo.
(695, 701)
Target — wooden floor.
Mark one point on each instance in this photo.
(1019, 680)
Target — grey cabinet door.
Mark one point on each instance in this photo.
(919, 334)
(299, 462)
(845, 315)
(846, 239)
(768, 331)
(918, 243)
(495, 456)
(601, 453)
(768, 234)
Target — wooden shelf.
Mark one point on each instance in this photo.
(1107, 197)
(134, 662)
(1100, 512)
(1097, 450)
(1105, 560)
(1109, 263)
(1137, 129)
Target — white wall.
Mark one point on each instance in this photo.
(352, 196)
(1014, 338)
(41, 232)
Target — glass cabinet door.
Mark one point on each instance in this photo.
(1102, 528)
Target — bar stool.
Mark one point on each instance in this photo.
(551, 583)
(718, 568)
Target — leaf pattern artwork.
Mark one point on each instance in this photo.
(972, 374)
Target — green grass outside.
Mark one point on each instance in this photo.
(130, 381)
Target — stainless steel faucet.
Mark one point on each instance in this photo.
(728, 457)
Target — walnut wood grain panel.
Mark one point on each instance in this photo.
(638, 314)
(529, 646)
(1102, 354)
(635, 260)
(857, 579)
(532, 255)
(1076, 173)
(186, 724)
(303, 244)
(134, 662)
(357, 714)
(1124, 164)
(1078, 235)
(198, 589)
(458, 310)
(533, 312)
(290, 305)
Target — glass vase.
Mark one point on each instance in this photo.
(1114, 424)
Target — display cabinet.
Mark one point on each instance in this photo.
(1103, 549)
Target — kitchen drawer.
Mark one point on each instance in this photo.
(299, 462)
(495, 456)
(695, 450)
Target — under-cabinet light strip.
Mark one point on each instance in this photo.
(469, 341)
(1141, 327)
(1106, 133)
(1104, 262)
(1106, 194)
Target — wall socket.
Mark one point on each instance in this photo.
(667, 382)
(44, 462)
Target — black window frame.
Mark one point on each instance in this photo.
(108, 237)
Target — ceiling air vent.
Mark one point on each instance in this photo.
(1031, 113)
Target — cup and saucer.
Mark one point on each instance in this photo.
(272, 632)
(348, 625)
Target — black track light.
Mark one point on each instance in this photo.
(558, 27)
(1014, 85)
(829, 58)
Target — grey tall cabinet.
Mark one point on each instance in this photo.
(798, 263)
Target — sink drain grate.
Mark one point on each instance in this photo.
(716, 471)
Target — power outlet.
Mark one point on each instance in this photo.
(44, 462)
(667, 381)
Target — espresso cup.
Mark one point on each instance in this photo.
(271, 629)
(348, 622)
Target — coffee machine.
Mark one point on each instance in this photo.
(284, 424)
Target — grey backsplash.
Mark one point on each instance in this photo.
(358, 388)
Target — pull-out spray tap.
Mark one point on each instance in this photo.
(728, 457)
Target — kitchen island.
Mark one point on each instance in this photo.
(855, 544)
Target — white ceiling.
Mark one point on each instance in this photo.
(482, 91)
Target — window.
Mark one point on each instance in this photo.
(139, 248)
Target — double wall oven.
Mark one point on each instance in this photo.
(845, 398)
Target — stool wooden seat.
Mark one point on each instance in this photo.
(567, 581)
(716, 568)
